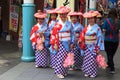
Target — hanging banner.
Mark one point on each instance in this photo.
(14, 15)
(112, 4)
(48, 4)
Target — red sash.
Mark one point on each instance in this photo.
(82, 37)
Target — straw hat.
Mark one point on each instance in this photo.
(63, 9)
(99, 15)
(91, 14)
(40, 14)
(52, 11)
(75, 14)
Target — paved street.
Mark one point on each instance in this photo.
(14, 69)
(9, 55)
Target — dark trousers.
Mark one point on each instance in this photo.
(111, 48)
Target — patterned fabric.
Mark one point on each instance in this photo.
(37, 29)
(89, 66)
(60, 57)
(47, 33)
(77, 58)
(41, 58)
(58, 28)
(52, 60)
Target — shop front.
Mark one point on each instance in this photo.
(11, 17)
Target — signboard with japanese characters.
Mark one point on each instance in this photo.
(14, 15)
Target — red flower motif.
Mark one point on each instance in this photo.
(98, 29)
(94, 34)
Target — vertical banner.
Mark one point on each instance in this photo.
(14, 15)
(112, 4)
(48, 4)
(51, 2)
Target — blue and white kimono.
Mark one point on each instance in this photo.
(65, 39)
(94, 41)
(77, 28)
(41, 57)
(47, 44)
(47, 33)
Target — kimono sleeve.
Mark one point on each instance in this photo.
(33, 36)
(54, 38)
(82, 38)
(72, 32)
(100, 40)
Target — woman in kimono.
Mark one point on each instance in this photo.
(37, 38)
(52, 21)
(77, 28)
(91, 42)
(61, 40)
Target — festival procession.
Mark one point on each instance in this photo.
(59, 39)
(73, 40)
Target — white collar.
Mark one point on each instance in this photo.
(60, 21)
(89, 27)
(39, 25)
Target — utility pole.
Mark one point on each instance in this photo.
(86, 10)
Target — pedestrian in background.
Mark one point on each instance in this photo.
(77, 28)
(37, 38)
(91, 42)
(111, 37)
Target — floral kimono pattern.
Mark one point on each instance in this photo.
(41, 56)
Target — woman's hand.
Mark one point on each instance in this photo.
(71, 46)
(103, 31)
(79, 41)
(56, 47)
(98, 52)
(38, 34)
